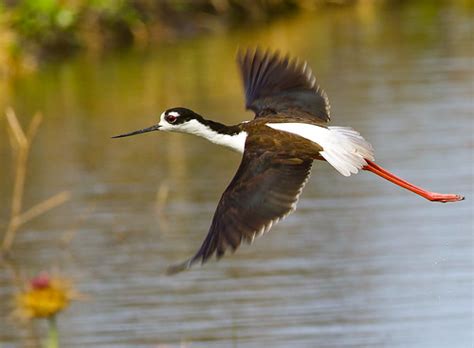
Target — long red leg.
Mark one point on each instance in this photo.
(432, 196)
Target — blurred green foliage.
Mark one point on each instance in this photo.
(53, 24)
(31, 30)
(48, 22)
(58, 24)
(39, 28)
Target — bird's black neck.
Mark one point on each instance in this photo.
(219, 127)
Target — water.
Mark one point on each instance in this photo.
(361, 263)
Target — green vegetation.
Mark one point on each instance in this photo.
(31, 30)
(35, 29)
(53, 24)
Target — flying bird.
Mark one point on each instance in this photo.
(278, 148)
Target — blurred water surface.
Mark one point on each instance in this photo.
(361, 263)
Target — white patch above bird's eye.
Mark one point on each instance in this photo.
(168, 118)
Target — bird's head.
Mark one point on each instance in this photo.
(172, 120)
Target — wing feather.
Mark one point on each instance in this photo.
(264, 190)
(275, 84)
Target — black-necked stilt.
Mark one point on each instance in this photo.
(279, 145)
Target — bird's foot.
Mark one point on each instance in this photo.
(444, 198)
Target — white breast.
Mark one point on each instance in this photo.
(344, 148)
(235, 142)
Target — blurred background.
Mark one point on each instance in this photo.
(361, 263)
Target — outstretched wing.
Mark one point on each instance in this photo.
(264, 190)
(275, 84)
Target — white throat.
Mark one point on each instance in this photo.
(235, 142)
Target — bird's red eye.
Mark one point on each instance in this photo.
(170, 118)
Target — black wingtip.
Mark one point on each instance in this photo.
(271, 77)
(181, 267)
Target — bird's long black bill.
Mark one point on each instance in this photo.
(144, 130)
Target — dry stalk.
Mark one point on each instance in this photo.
(21, 145)
(162, 195)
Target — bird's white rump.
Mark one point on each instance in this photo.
(344, 148)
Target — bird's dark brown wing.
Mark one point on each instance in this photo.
(264, 190)
(275, 84)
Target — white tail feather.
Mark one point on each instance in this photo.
(344, 148)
